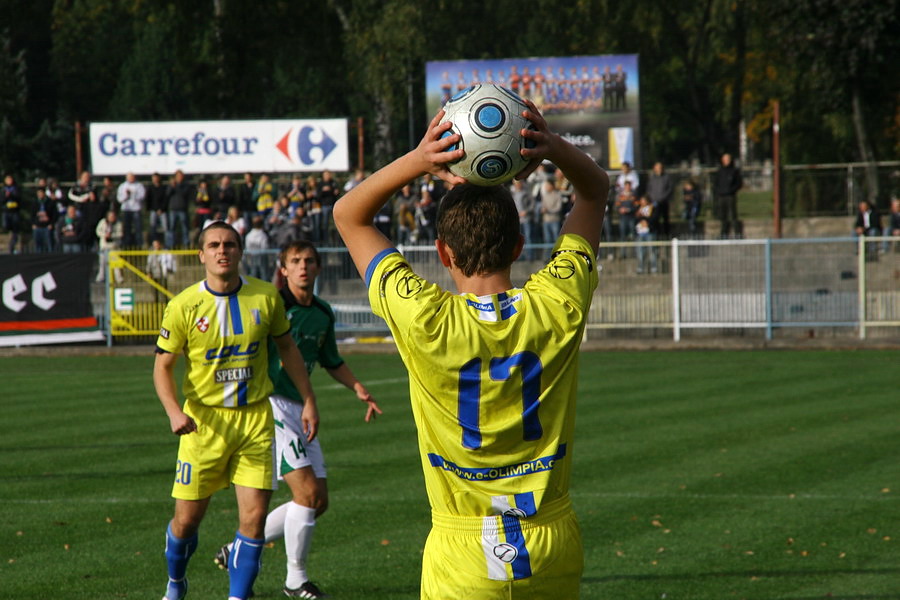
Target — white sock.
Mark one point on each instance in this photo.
(299, 525)
(275, 523)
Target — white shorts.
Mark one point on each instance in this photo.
(292, 451)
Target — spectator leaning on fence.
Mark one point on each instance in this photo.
(660, 189)
(43, 219)
(131, 195)
(727, 183)
(868, 223)
(157, 205)
(12, 202)
(892, 227)
(110, 233)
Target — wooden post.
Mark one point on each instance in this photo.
(79, 162)
(360, 138)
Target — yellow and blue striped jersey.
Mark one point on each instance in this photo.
(493, 379)
(223, 338)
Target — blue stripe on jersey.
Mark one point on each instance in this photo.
(521, 564)
(545, 463)
(507, 308)
(374, 263)
(242, 393)
(531, 368)
(234, 309)
(525, 503)
(468, 403)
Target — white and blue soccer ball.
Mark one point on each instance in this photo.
(489, 120)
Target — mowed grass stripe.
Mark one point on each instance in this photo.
(692, 471)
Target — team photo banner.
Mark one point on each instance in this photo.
(592, 101)
(46, 299)
(198, 147)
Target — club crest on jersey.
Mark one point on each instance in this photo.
(203, 324)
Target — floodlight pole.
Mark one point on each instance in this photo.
(776, 164)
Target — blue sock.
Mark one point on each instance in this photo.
(244, 563)
(178, 553)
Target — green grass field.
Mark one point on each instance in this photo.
(698, 475)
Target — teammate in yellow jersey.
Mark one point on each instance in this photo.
(493, 369)
(222, 325)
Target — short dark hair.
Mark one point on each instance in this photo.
(481, 225)
(220, 225)
(298, 246)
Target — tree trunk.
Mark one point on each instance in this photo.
(384, 148)
(221, 86)
(732, 136)
(865, 148)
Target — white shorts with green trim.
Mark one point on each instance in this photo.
(292, 451)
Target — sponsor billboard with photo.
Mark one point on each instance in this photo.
(593, 101)
(281, 146)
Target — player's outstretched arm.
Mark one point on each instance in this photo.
(345, 376)
(296, 370)
(164, 382)
(355, 212)
(590, 183)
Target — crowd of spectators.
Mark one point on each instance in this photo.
(132, 214)
(96, 215)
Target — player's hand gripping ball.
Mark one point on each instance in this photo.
(489, 120)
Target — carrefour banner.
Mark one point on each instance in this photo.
(198, 147)
(593, 101)
(46, 299)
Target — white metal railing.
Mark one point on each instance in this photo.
(845, 284)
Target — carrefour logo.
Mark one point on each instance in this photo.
(284, 145)
(310, 145)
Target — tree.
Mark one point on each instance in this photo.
(91, 40)
(383, 46)
(13, 96)
(848, 50)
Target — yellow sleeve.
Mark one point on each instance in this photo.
(172, 331)
(397, 294)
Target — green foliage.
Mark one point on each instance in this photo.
(13, 96)
(90, 44)
(705, 66)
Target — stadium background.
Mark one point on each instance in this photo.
(704, 474)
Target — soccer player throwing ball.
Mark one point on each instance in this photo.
(493, 369)
(300, 462)
(222, 325)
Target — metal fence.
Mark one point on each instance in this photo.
(766, 287)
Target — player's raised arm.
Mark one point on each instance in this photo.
(590, 182)
(355, 212)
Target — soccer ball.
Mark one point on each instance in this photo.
(489, 120)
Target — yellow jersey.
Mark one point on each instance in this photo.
(223, 338)
(493, 379)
